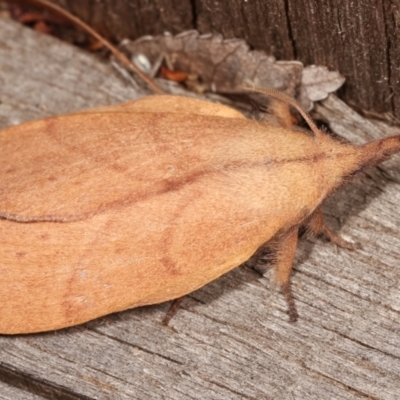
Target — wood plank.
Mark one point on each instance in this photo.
(39, 79)
(358, 38)
(11, 392)
(232, 338)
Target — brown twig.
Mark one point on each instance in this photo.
(82, 25)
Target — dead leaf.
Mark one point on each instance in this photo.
(224, 66)
(176, 76)
(318, 82)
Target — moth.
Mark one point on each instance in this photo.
(147, 201)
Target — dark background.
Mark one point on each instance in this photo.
(359, 38)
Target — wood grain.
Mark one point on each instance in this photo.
(358, 38)
(231, 339)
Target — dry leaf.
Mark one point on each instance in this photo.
(224, 66)
(318, 82)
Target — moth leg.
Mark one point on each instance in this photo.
(315, 226)
(285, 248)
(282, 113)
(172, 310)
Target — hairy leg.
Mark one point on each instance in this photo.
(285, 250)
(315, 226)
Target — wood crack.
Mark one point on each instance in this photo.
(40, 387)
(147, 351)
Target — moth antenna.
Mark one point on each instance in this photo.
(290, 100)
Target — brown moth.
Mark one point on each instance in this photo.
(144, 202)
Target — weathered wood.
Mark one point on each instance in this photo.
(28, 99)
(11, 392)
(358, 38)
(232, 338)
